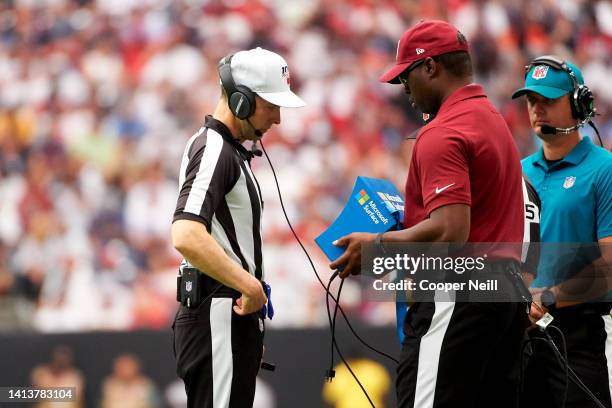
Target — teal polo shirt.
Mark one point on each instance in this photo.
(576, 196)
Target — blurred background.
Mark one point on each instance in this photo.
(97, 100)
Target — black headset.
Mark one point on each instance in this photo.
(581, 99)
(240, 99)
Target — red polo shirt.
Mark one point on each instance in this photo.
(466, 155)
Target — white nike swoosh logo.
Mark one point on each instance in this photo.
(439, 190)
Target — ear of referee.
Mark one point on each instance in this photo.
(218, 339)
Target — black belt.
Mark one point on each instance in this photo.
(193, 287)
(509, 276)
(211, 286)
(583, 309)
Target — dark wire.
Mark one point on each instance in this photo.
(597, 132)
(564, 346)
(353, 374)
(332, 323)
(336, 310)
(558, 359)
(334, 343)
(315, 269)
(521, 379)
(561, 362)
(327, 291)
(572, 375)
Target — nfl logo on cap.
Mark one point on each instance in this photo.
(540, 72)
(569, 182)
(188, 286)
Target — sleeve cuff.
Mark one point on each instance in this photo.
(434, 206)
(192, 217)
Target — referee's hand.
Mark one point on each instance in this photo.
(252, 300)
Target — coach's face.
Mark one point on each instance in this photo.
(551, 112)
(416, 81)
(266, 115)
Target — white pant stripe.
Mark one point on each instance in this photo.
(608, 325)
(429, 354)
(222, 361)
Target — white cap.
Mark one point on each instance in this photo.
(267, 74)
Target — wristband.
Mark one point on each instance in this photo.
(379, 243)
(547, 298)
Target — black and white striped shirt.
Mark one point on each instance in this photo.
(531, 234)
(218, 189)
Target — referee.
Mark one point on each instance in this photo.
(531, 232)
(218, 330)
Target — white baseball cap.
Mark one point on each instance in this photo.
(267, 74)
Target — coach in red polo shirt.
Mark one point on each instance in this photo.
(464, 185)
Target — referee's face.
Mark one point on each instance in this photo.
(266, 115)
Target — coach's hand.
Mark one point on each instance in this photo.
(536, 312)
(537, 309)
(252, 299)
(351, 258)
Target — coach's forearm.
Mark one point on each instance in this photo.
(199, 248)
(593, 282)
(450, 223)
(528, 277)
(424, 231)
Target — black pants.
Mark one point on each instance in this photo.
(461, 355)
(218, 354)
(585, 337)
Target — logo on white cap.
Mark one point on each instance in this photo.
(419, 51)
(267, 74)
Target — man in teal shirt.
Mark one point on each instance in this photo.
(573, 178)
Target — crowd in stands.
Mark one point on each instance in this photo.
(97, 100)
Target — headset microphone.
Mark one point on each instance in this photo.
(255, 151)
(549, 130)
(257, 131)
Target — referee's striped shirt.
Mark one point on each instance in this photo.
(218, 189)
(531, 235)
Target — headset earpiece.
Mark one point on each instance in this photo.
(581, 100)
(242, 102)
(240, 99)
